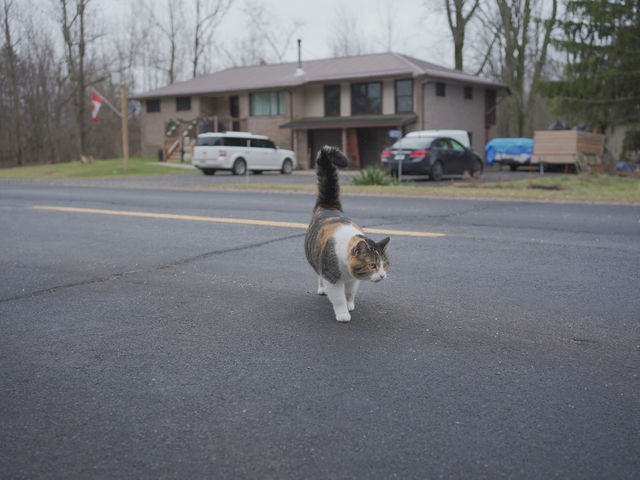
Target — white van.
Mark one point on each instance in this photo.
(460, 135)
(240, 152)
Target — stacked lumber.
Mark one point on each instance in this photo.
(565, 146)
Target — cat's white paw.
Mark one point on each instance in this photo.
(351, 306)
(343, 317)
(321, 291)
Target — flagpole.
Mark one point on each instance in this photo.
(125, 129)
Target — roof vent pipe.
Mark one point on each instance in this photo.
(299, 70)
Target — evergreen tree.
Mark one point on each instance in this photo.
(601, 82)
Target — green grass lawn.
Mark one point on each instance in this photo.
(96, 169)
(584, 187)
(570, 188)
(579, 188)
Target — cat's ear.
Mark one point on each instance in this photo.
(384, 243)
(360, 248)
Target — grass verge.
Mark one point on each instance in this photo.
(572, 188)
(97, 169)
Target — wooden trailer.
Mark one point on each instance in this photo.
(568, 147)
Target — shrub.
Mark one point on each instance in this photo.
(374, 176)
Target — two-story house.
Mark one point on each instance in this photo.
(352, 102)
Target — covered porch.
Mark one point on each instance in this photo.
(361, 137)
(220, 113)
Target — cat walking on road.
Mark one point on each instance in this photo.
(335, 245)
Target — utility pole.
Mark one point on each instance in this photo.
(125, 128)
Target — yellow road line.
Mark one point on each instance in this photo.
(241, 221)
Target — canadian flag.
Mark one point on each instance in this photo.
(96, 103)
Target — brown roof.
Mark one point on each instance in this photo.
(341, 68)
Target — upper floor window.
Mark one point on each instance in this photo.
(441, 89)
(332, 100)
(468, 93)
(366, 98)
(404, 95)
(266, 103)
(183, 103)
(153, 106)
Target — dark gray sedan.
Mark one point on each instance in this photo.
(433, 156)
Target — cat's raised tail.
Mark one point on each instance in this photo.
(328, 187)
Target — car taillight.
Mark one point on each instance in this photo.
(419, 153)
(386, 153)
(222, 153)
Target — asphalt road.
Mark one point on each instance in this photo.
(181, 347)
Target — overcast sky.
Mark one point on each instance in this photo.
(416, 31)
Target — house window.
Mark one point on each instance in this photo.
(441, 89)
(366, 98)
(183, 103)
(267, 104)
(332, 100)
(468, 93)
(404, 96)
(153, 106)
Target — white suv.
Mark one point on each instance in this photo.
(240, 152)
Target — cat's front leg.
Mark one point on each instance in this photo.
(338, 300)
(351, 288)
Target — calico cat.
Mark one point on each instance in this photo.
(335, 246)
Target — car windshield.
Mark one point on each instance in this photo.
(412, 142)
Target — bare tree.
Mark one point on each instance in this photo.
(249, 50)
(388, 13)
(12, 67)
(278, 39)
(517, 38)
(209, 14)
(524, 52)
(72, 21)
(458, 20)
(169, 24)
(44, 82)
(347, 37)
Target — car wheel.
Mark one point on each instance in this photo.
(208, 171)
(477, 167)
(436, 172)
(239, 167)
(287, 167)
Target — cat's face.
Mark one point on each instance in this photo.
(368, 259)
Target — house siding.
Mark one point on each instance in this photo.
(453, 111)
(153, 124)
(313, 98)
